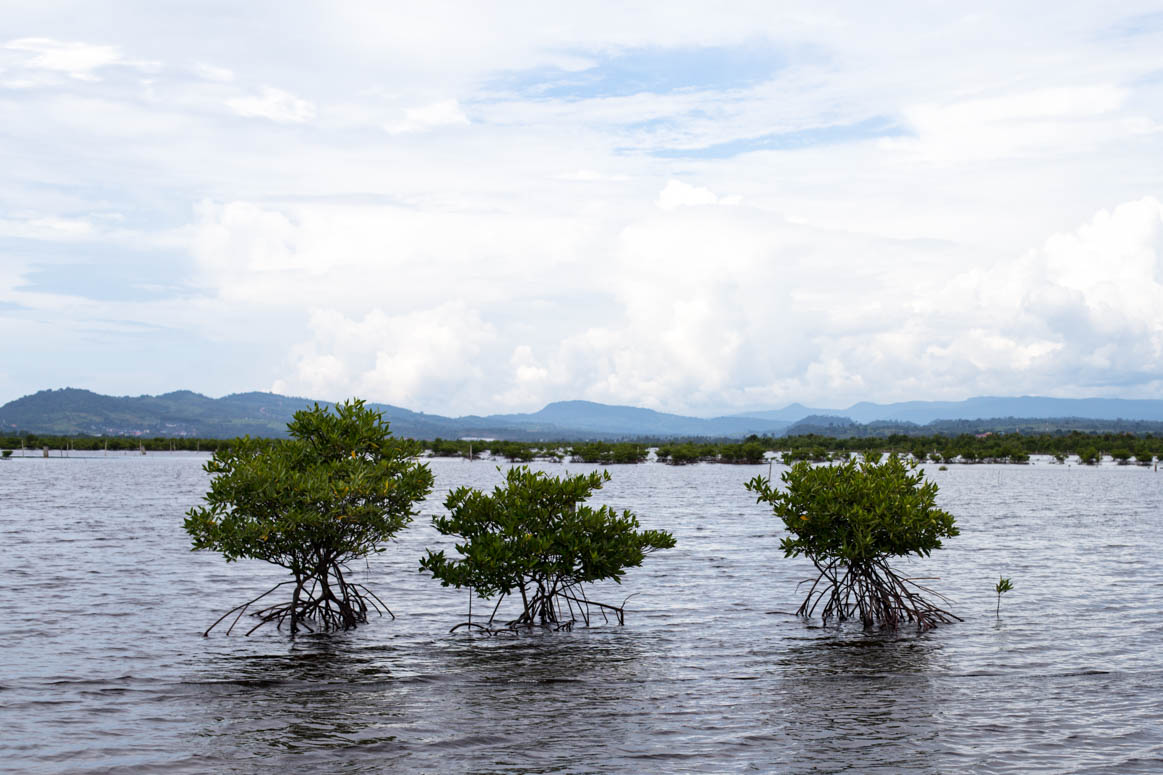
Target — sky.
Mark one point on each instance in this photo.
(484, 207)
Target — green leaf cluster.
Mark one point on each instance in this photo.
(1003, 585)
(335, 490)
(684, 454)
(535, 532)
(857, 512)
(746, 453)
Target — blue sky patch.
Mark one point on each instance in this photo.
(651, 70)
(869, 129)
(1134, 26)
(139, 279)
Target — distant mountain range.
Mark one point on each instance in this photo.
(183, 413)
(73, 412)
(921, 412)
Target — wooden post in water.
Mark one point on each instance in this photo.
(46, 451)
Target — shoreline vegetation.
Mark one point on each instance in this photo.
(1011, 448)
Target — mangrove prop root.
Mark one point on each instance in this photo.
(876, 594)
(322, 602)
(557, 608)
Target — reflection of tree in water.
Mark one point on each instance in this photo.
(322, 694)
(547, 701)
(609, 655)
(856, 702)
(433, 705)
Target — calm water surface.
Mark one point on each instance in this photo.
(104, 668)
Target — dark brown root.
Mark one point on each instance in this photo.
(242, 609)
(556, 608)
(875, 593)
(328, 601)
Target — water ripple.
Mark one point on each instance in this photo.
(105, 669)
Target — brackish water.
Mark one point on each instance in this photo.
(104, 668)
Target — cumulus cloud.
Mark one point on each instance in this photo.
(701, 309)
(274, 104)
(1082, 313)
(430, 355)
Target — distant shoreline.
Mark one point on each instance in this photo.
(961, 449)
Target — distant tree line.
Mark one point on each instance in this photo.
(963, 448)
(1124, 448)
(981, 448)
(113, 443)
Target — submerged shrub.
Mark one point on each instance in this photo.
(849, 520)
(1089, 456)
(533, 538)
(1003, 585)
(333, 492)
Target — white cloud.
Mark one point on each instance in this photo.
(77, 60)
(528, 370)
(47, 228)
(360, 255)
(1039, 122)
(678, 194)
(706, 308)
(241, 240)
(428, 355)
(1083, 312)
(434, 115)
(274, 104)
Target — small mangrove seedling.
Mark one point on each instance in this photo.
(849, 520)
(333, 492)
(1003, 585)
(533, 539)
